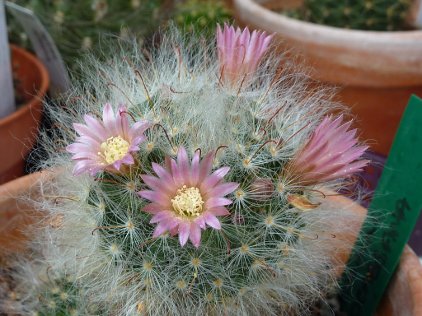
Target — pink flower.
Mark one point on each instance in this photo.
(331, 153)
(108, 144)
(186, 196)
(240, 52)
(262, 189)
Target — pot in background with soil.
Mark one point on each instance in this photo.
(377, 71)
(18, 131)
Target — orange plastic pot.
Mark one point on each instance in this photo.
(376, 71)
(403, 297)
(18, 131)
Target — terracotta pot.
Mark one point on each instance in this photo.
(378, 71)
(18, 131)
(16, 215)
(404, 296)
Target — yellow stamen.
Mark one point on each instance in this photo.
(113, 149)
(188, 202)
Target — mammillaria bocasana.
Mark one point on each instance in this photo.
(246, 152)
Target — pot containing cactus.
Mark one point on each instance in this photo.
(195, 182)
(25, 80)
(365, 47)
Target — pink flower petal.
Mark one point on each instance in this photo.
(109, 119)
(350, 169)
(81, 167)
(138, 128)
(331, 153)
(160, 216)
(117, 164)
(212, 221)
(162, 173)
(223, 189)
(195, 235)
(83, 130)
(94, 145)
(183, 161)
(195, 169)
(159, 230)
(136, 141)
(240, 52)
(124, 124)
(213, 179)
(96, 126)
(200, 221)
(206, 165)
(185, 173)
(86, 155)
(158, 185)
(178, 176)
(219, 211)
(153, 208)
(128, 159)
(154, 196)
(87, 146)
(77, 148)
(217, 201)
(184, 230)
(172, 223)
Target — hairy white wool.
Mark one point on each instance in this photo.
(118, 269)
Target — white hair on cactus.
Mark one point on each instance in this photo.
(270, 257)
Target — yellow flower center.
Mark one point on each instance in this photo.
(113, 149)
(188, 202)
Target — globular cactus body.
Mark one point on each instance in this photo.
(184, 197)
(377, 15)
(201, 15)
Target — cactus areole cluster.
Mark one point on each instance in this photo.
(192, 183)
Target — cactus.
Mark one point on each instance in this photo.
(201, 15)
(49, 293)
(79, 26)
(377, 15)
(192, 141)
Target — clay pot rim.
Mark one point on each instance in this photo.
(40, 93)
(341, 56)
(335, 33)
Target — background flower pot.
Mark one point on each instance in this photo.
(377, 70)
(16, 215)
(404, 295)
(18, 131)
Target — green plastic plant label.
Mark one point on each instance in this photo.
(44, 47)
(392, 215)
(7, 104)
